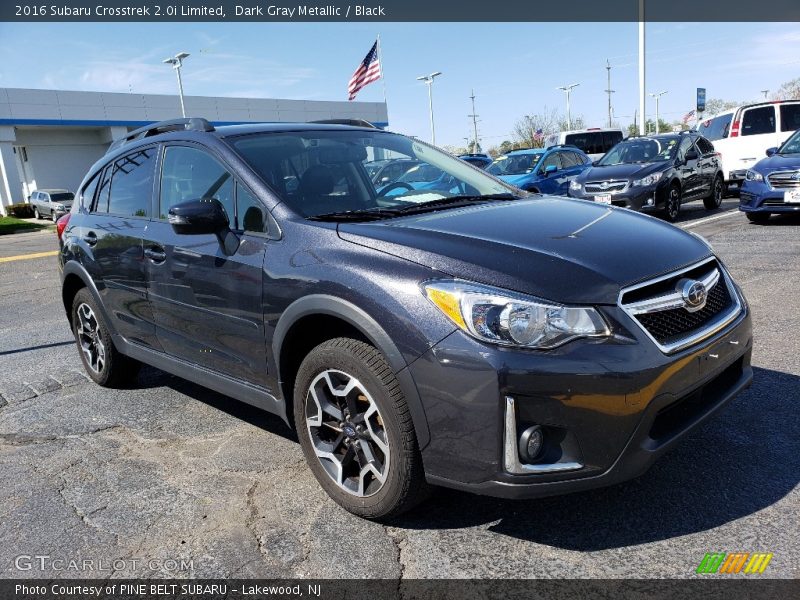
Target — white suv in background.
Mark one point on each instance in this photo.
(595, 141)
(742, 135)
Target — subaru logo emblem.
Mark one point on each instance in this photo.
(604, 185)
(694, 294)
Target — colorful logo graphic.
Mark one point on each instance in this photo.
(737, 562)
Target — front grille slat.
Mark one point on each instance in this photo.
(658, 307)
(611, 187)
(784, 180)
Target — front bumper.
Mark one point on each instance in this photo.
(641, 199)
(759, 197)
(609, 409)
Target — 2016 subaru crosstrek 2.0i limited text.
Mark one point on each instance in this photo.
(476, 337)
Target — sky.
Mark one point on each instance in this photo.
(513, 68)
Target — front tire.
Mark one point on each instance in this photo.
(100, 358)
(714, 200)
(757, 217)
(356, 431)
(37, 215)
(672, 205)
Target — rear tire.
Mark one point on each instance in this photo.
(714, 200)
(356, 431)
(101, 360)
(758, 217)
(672, 205)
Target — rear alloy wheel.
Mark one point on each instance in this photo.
(101, 360)
(672, 206)
(757, 217)
(714, 199)
(356, 431)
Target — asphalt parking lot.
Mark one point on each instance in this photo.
(170, 471)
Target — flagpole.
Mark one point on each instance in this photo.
(383, 79)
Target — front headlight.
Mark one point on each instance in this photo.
(59, 207)
(510, 319)
(753, 176)
(649, 180)
(574, 186)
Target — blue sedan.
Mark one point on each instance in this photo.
(772, 185)
(541, 170)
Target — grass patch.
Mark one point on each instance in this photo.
(13, 225)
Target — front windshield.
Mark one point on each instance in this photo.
(62, 197)
(792, 145)
(514, 164)
(323, 172)
(641, 150)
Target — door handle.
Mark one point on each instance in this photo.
(156, 255)
(90, 238)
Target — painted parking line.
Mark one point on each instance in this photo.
(709, 219)
(27, 256)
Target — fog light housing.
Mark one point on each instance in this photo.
(531, 443)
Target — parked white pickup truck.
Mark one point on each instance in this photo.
(742, 135)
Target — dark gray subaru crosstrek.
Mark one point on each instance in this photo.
(474, 337)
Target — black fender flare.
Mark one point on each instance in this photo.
(75, 268)
(316, 304)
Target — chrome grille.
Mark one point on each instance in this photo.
(611, 187)
(784, 180)
(660, 310)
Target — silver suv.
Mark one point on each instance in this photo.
(51, 203)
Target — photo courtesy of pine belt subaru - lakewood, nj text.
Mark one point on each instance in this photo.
(474, 336)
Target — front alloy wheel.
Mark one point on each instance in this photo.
(347, 432)
(356, 430)
(673, 204)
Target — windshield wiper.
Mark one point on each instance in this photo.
(377, 213)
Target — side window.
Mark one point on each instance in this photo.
(251, 211)
(46, 197)
(569, 159)
(101, 201)
(686, 143)
(759, 120)
(704, 146)
(790, 117)
(192, 174)
(87, 194)
(550, 159)
(132, 184)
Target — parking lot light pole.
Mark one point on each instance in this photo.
(657, 96)
(177, 62)
(567, 89)
(428, 79)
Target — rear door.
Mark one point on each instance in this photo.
(708, 161)
(208, 305)
(758, 131)
(111, 237)
(689, 169)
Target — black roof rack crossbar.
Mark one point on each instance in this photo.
(351, 122)
(188, 124)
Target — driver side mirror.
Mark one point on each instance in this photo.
(772, 151)
(550, 169)
(203, 216)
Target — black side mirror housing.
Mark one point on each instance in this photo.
(204, 216)
(772, 151)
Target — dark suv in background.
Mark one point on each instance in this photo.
(655, 174)
(475, 337)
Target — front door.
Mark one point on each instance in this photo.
(208, 304)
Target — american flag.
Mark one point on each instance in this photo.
(688, 116)
(368, 71)
(538, 135)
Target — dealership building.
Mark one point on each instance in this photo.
(49, 138)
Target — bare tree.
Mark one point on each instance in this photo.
(531, 130)
(789, 90)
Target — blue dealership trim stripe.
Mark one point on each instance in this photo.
(106, 123)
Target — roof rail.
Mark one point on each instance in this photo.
(190, 124)
(351, 122)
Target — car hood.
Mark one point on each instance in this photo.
(558, 249)
(516, 180)
(624, 171)
(777, 162)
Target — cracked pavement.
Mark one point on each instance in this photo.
(170, 470)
